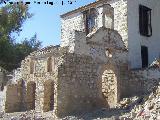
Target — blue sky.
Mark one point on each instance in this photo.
(46, 20)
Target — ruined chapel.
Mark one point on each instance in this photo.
(106, 52)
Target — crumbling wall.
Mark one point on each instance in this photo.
(3, 78)
(80, 76)
(69, 80)
(14, 98)
(142, 81)
(39, 71)
(79, 87)
(2, 99)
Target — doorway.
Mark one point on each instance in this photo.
(144, 56)
(48, 96)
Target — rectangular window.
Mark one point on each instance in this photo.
(145, 21)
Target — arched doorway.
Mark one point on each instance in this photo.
(109, 87)
(48, 96)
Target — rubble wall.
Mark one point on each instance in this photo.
(39, 68)
(120, 18)
(2, 99)
(142, 81)
(3, 78)
(1, 81)
(14, 97)
(69, 24)
(79, 87)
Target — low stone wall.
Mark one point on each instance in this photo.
(142, 81)
(14, 97)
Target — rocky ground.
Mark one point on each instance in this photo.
(146, 107)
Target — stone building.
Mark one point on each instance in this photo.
(140, 35)
(92, 66)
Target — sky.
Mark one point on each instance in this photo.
(46, 20)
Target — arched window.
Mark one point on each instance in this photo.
(49, 64)
(31, 66)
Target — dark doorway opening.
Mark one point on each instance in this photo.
(144, 56)
(31, 95)
(48, 96)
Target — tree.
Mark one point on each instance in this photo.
(26, 47)
(11, 19)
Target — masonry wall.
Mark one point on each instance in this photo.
(79, 87)
(120, 18)
(69, 24)
(135, 39)
(3, 78)
(2, 99)
(39, 71)
(142, 81)
(14, 98)
(36, 88)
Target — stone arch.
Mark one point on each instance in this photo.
(48, 104)
(31, 95)
(109, 76)
(109, 43)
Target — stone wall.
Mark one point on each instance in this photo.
(79, 89)
(3, 78)
(39, 69)
(142, 81)
(2, 99)
(16, 74)
(14, 97)
(69, 24)
(3, 82)
(120, 18)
